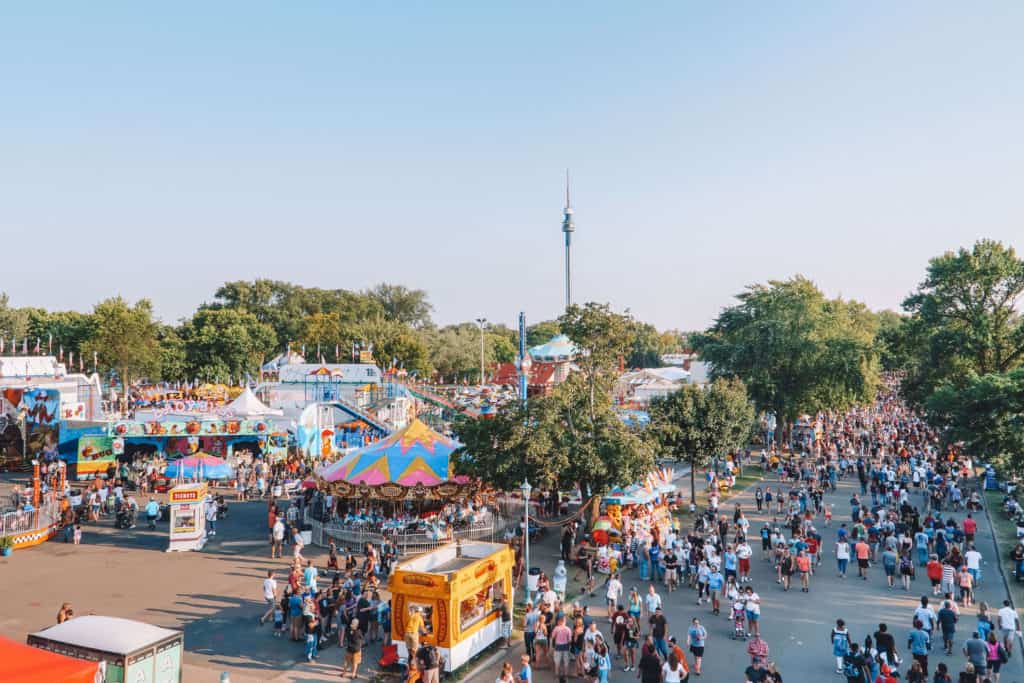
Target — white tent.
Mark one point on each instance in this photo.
(247, 405)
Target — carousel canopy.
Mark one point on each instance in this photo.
(413, 455)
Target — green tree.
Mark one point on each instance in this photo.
(455, 351)
(225, 343)
(795, 350)
(541, 332)
(286, 307)
(986, 414)
(173, 357)
(648, 347)
(696, 424)
(67, 329)
(124, 338)
(556, 441)
(394, 344)
(403, 305)
(895, 352)
(602, 338)
(13, 321)
(965, 319)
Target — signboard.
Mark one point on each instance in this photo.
(191, 428)
(96, 454)
(366, 357)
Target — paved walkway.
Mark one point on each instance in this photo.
(797, 625)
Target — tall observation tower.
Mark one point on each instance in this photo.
(568, 227)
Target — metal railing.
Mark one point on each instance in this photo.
(17, 522)
(406, 542)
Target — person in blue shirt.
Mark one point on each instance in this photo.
(921, 541)
(152, 512)
(918, 643)
(715, 583)
(526, 671)
(696, 636)
(731, 562)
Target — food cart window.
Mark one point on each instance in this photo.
(479, 605)
(427, 610)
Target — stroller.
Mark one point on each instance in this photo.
(739, 617)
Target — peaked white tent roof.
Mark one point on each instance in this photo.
(247, 405)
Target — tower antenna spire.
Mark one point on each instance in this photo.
(568, 228)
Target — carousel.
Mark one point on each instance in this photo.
(402, 490)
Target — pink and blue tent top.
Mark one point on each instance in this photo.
(198, 466)
(413, 455)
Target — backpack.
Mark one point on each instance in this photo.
(433, 657)
(851, 668)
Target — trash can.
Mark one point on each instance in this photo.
(532, 579)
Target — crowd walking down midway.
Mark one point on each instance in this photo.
(860, 552)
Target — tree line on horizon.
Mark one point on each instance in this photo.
(249, 322)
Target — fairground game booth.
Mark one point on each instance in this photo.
(457, 588)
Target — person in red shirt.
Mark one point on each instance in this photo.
(970, 528)
(934, 570)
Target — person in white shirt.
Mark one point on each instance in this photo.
(211, 516)
(652, 601)
(1009, 624)
(973, 558)
(743, 553)
(269, 596)
(277, 538)
(612, 594)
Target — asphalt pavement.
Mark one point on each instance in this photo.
(797, 625)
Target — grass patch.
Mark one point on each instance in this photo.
(1005, 532)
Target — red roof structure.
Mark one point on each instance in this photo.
(541, 380)
(27, 664)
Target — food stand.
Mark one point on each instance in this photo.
(457, 587)
(187, 516)
(130, 651)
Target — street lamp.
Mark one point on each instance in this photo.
(482, 322)
(526, 488)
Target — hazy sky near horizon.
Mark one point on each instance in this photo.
(159, 150)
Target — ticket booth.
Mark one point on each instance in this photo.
(187, 516)
(457, 587)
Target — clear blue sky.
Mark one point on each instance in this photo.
(156, 151)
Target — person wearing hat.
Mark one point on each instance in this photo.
(674, 648)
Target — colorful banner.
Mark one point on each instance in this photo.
(96, 454)
(197, 428)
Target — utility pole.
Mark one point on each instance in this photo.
(482, 322)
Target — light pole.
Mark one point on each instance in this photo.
(526, 488)
(482, 322)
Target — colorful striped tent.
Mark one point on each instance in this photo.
(415, 455)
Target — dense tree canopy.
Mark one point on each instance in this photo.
(225, 343)
(124, 338)
(560, 440)
(695, 424)
(964, 318)
(795, 350)
(986, 414)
